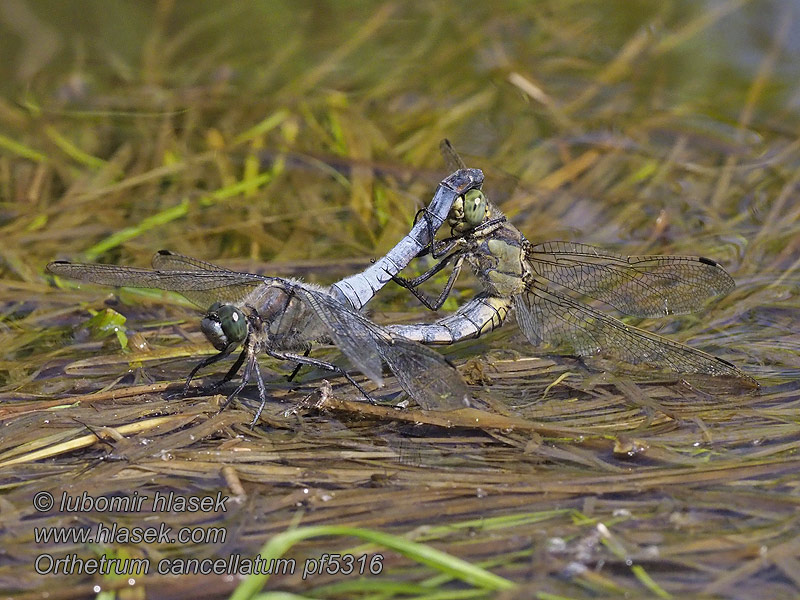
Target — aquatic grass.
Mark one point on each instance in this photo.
(15, 147)
(72, 151)
(170, 214)
(76, 443)
(452, 566)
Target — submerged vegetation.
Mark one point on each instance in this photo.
(300, 140)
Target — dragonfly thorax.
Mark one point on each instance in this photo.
(468, 211)
(223, 325)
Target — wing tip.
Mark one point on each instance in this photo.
(708, 261)
(53, 266)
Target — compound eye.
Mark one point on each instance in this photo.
(475, 207)
(212, 329)
(234, 323)
(224, 324)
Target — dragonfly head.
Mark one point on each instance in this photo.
(223, 325)
(468, 211)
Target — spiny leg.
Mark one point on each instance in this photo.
(443, 247)
(232, 371)
(210, 361)
(262, 394)
(420, 279)
(479, 231)
(440, 248)
(431, 230)
(321, 364)
(487, 227)
(299, 366)
(248, 371)
(412, 284)
(435, 248)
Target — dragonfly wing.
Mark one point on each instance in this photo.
(546, 316)
(166, 260)
(425, 375)
(202, 288)
(349, 331)
(451, 158)
(422, 372)
(643, 286)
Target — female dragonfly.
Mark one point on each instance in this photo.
(539, 282)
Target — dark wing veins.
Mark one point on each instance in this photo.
(643, 286)
(546, 316)
(421, 372)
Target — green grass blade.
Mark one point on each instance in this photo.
(455, 567)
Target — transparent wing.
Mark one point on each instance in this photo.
(503, 184)
(452, 160)
(422, 372)
(545, 316)
(351, 332)
(425, 375)
(643, 286)
(201, 287)
(166, 260)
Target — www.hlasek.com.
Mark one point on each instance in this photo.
(111, 534)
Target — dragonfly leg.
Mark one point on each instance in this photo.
(210, 361)
(299, 366)
(412, 284)
(420, 279)
(262, 394)
(436, 248)
(487, 227)
(443, 247)
(231, 372)
(431, 230)
(439, 248)
(320, 364)
(248, 371)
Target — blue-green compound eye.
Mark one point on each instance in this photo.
(475, 207)
(234, 324)
(224, 324)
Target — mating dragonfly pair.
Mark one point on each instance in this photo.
(283, 317)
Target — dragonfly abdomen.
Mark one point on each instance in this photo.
(479, 316)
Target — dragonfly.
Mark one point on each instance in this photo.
(540, 282)
(283, 317)
(356, 290)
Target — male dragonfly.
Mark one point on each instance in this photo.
(282, 316)
(538, 281)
